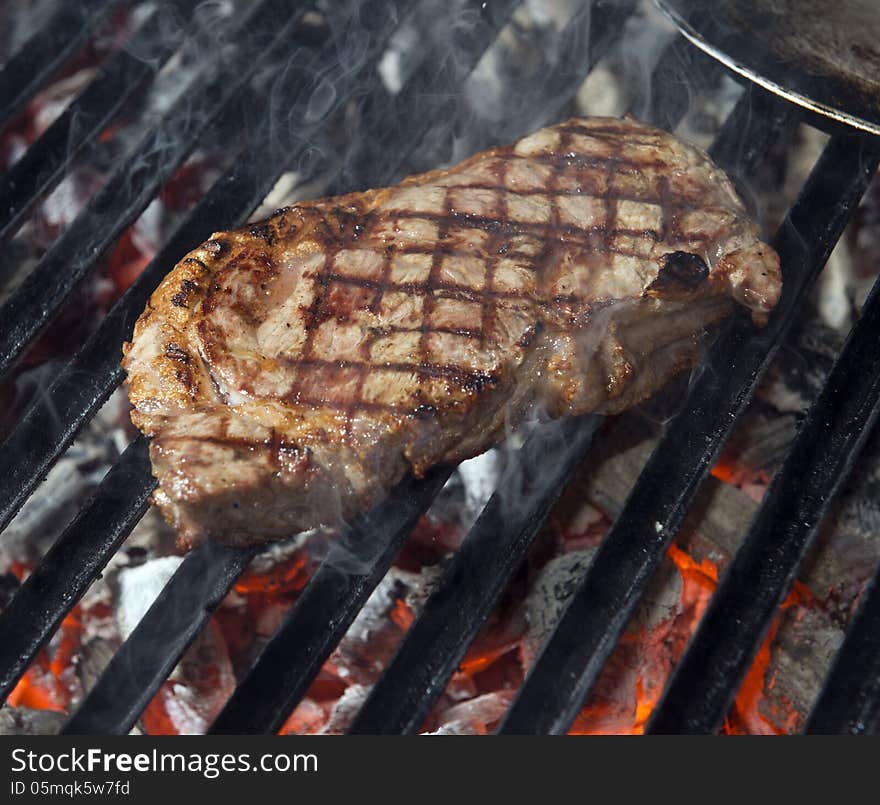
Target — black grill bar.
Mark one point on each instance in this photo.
(38, 59)
(850, 699)
(590, 627)
(326, 608)
(759, 120)
(167, 629)
(72, 564)
(43, 164)
(473, 582)
(130, 189)
(764, 568)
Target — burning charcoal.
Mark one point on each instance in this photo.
(800, 659)
(189, 701)
(640, 665)
(374, 635)
(25, 721)
(277, 552)
(344, 711)
(549, 594)
(478, 716)
(94, 657)
(307, 719)
(203, 679)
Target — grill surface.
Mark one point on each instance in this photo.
(698, 696)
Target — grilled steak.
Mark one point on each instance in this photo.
(290, 372)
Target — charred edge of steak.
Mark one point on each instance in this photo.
(181, 298)
(679, 271)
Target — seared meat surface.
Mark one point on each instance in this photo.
(292, 371)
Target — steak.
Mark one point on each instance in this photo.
(292, 371)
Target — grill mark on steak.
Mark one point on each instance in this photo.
(424, 368)
(495, 245)
(390, 330)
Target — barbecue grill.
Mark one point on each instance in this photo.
(748, 596)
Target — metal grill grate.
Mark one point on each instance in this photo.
(707, 677)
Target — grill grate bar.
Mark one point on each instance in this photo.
(43, 164)
(252, 692)
(743, 147)
(850, 699)
(324, 611)
(590, 627)
(472, 583)
(73, 563)
(138, 668)
(763, 570)
(132, 186)
(36, 62)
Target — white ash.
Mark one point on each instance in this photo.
(550, 591)
(557, 581)
(200, 684)
(308, 717)
(408, 46)
(662, 600)
(601, 94)
(277, 552)
(801, 658)
(138, 587)
(479, 477)
(837, 286)
(151, 538)
(476, 716)
(100, 594)
(345, 709)
(22, 721)
(94, 657)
